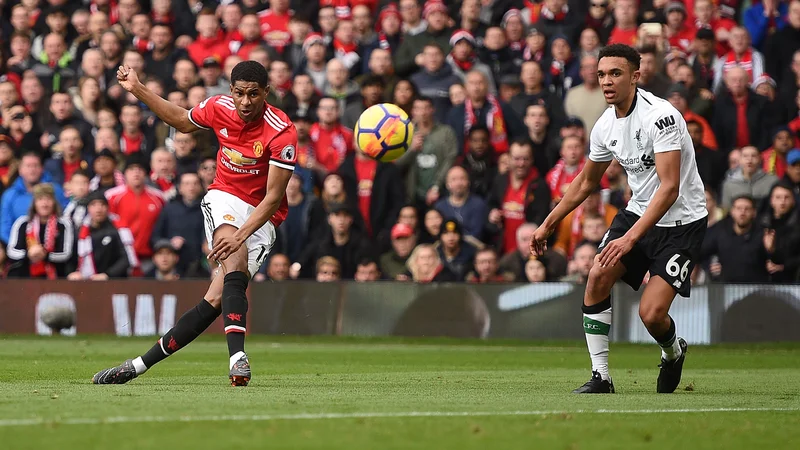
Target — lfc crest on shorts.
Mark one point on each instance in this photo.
(258, 149)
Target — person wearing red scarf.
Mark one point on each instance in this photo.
(107, 6)
(463, 58)
(332, 141)
(344, 44)
(741, 55)
(515, 31)
(40, 243)
(210, 41)
(388, 29)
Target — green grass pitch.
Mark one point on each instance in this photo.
(339, 393)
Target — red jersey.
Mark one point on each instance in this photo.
(275, 29)
(331, 144)
(365, 176)
(138, 212)
(248, 149)
(620, 36)
(683, 39)
(202, 48)
(514, 211)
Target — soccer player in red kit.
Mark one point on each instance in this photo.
(242, 209)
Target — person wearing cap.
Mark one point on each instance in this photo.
(779, 48)
(40, 242)
(343, 242)
(17, 199)
(408, 56)
(165, 262)
(774, 158)
(792, 175)
(742, 55)
(137, 205)
(314, 64)
(764, 19)
(679, 33)
(388, 39)
(106, 175)
(514, 27)
(210, 41)
(456, 254)
(393, 262)
(586, 100)
(678, 96)
(463, 58)
(101, 251)
(211, 77)
(535, 42)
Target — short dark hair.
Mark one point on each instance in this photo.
(426, 99)
(250, 71)
(747, 197)
(624, 51)
(433, 44)
(32, 154)
(80, 173)
(478, 128)
(372, 81)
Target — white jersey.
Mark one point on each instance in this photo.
(653, 126)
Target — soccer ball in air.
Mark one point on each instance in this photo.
(384, 132)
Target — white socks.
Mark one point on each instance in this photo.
(138, 364)
(596, 327)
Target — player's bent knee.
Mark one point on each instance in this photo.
(600, 280)
(653, 316)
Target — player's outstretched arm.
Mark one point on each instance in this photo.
(277, 181)
(173, 115)
(583, 185)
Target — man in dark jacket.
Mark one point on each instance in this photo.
(101, 253)
(518, 197)
(181, 222)
(406, 59)
(711, 164)
(64, 114)
(781, 223)
(734, 246)
(781, 45)
(378, 191)
(733, 102)
(342, 242)
(435, 79)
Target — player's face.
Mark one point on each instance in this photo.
(616, 78)
(249, 98)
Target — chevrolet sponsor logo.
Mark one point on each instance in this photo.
(237, 158)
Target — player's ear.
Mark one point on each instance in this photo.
(266, 91)
(636, 75)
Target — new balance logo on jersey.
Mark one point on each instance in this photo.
(224, 132)
(677, 284)
(665, 122)
(614, 142)
(648, 161)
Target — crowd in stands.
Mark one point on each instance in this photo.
(503, 95)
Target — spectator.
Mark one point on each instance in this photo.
(248, 37)
(748, 179)
(738, 108)
(586, 100)
(315, 66)
(708, 16)
(338, 86)
(207, 171)
(343, 243)
(432, 153)
(408, 55)
(411, 14)
(331, 140)
(40, 242)
(556, 18)
(564, 69)
(328, 269)
(210, 73)
(463, 58)
(8, 163)
(479, 161)
(64, 114)
(106, 174)
(487, 269)
(579, 267)
(572, 229)
(651, 79)
(573, 158)
(535, 271)
(765, 86)
(371, 95)
(483, 107)
(764, 19)
(78, 190)
(185, 152)
(780, 47)
(21, 58)
(774, 158)
(164, 56)
(210, 41)
(54, 65)
(303, 100)
(404, 95)
(17, 199)
(456, 254)
(617, 183)
(19, 129)
(306, 220)
(742, 55)
(496, 53)
(435, 79)
(345, 46)
(710, 164)
(388, 36)
(278, 268)
(88, 99)
(333, 191)
(165, 262)
(393, 263)
(715, 213)
(537, 121)
(792, 176)
(699, 99)
(678, 96)
(735, 246)
(522, 196)
(162, 174)
(367, 270)
(379, 190)
(380, 64)
(432, 226)
(425, 266)
(514, 27)
(181, 223)
(137, 206)
(781, 224)
(534, 45)
(704, 59)
(468, 210)
(101, 251)
(68, 160)
(625, 28)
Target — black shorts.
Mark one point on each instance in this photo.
(669, 252)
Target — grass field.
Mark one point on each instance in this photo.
(393, 394)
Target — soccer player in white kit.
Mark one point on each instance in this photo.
(660, 231)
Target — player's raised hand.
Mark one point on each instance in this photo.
(614, 251)
(226, 246)
(127, 77)
(539, 240)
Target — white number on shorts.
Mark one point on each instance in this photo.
(673, 269)
(605, 238)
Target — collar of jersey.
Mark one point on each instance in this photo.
(633, 105)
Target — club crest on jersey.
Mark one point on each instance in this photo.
(237, 158)
(258, 149)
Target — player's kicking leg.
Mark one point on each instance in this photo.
(597, 324)
(227, 292)
(654, 312)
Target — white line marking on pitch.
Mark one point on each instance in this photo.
(362, 415)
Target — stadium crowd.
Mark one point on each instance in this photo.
(503, 95)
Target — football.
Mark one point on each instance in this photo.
(384, 132)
